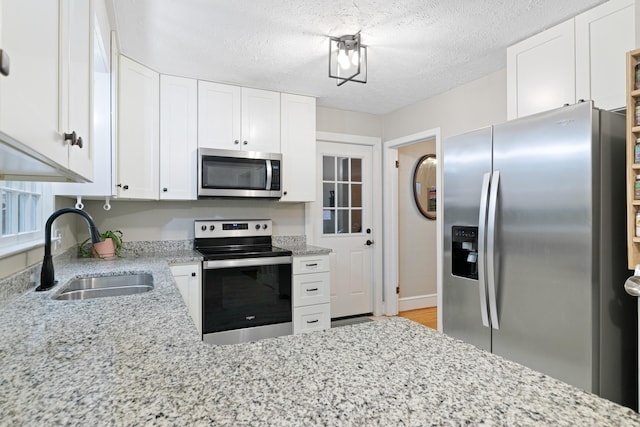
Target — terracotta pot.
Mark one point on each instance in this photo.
(105, 249)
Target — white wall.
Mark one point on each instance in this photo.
(467, 107)
(152, 220)
(349, 122)
(416, 234)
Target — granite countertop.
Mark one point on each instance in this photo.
(138, 359)
(298, 245)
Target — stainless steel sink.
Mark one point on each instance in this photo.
(105, 286)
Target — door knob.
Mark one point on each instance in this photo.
(369, 242)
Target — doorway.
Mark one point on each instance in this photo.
(391, 215)
(416, 235)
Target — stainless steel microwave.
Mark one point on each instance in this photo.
(228, 173)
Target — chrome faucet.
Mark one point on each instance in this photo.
(47, 279)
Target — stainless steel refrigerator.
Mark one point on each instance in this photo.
(534, 250)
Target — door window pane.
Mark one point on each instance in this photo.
(343, 169)
(343, 221)
(356, 195)
(356, 221)
(328, 168)
(328, 221)
(343, 195)
(328, 195)
(356, 170)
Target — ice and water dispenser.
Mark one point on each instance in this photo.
(464, 250)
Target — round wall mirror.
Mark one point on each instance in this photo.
(424, 185)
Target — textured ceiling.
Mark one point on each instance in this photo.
(417, 48)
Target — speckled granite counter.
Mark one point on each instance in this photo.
(298, 245)
(137, 360)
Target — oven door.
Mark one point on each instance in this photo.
(245, 293)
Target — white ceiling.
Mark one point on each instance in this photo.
(417, 48)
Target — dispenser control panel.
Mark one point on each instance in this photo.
(464, 248)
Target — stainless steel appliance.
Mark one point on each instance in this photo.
(246, 282)
(534, 250)
(227, 173)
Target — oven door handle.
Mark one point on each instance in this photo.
(246, 262)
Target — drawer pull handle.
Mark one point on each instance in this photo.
(312, 290)
(312, 321)
(312, 265)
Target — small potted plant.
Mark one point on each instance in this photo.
(110, 246)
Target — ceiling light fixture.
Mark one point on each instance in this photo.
(347, 59)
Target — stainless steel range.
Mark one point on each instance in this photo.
(246, 282)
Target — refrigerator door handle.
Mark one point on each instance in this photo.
(482, 224)
(491, 240)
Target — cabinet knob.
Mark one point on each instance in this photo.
(236, 142)
(284, 193)
(165, 190)
(124, 187)
(73, 139)
(193, 274)
(245, 142)
(4, 63)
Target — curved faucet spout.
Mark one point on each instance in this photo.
(47, 276)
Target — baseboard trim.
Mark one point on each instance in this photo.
(420, 301)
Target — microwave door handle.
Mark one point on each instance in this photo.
(269, 174)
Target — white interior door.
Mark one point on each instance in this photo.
(343, 221)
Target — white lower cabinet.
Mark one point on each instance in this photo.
(311, 293)
(187, 277)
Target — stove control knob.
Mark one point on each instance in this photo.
(204, 228)
(264, 226)
(212, 227)
(257, 226)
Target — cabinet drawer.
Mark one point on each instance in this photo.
(311, 318)
(309, 289)
(310, 264)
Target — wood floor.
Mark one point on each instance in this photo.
(425, 316)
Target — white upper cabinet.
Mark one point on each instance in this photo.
(541, 72)
(29, 94)
(298, 144)
(582, 58)
(260, 120)
(102, 142)
(603, 37)
(47, 92)
(219, 114)
(76, 49)
(178, 138)
(138, 129)
(234, 118)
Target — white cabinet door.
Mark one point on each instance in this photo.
(29, 101)
(138, 128)
(187, 277)
(219, 116)
(76, 48)
(298, 147)
(603, 37)
(235, 118)
(541, 72)
(178, 138)
(260, 120)
(101, 127)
